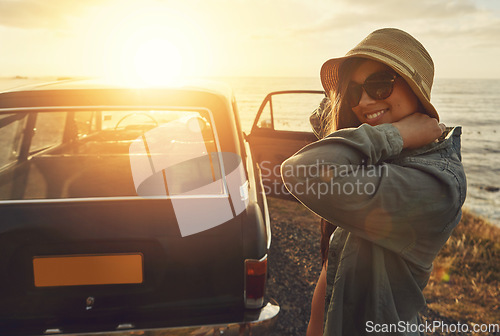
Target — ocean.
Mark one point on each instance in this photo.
(470, 103)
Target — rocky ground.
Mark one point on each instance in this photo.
(295, 264)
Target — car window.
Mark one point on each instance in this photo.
(177, 156)
(266, 118)
(289, 111)
(115, 153)
(11, 126)
(86, 122)
(49, 128)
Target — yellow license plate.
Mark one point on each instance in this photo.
(81, 270)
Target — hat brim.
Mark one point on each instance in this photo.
(329, 75)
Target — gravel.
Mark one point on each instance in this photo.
(294, 265)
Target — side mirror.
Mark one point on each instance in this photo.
(266, 123)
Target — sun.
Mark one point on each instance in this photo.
(157, 61)
(149, 56)
(147, 45)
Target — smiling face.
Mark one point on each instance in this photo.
(401, 103)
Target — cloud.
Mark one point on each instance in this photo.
(487, 29)
(454, 32)
(345, 14)
(32, 14)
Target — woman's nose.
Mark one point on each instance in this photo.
(365, 99)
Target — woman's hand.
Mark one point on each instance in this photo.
(419, 129)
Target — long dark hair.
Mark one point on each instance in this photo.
(341, 116)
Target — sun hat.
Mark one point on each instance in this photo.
(396, 49)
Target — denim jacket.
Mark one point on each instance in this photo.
(394, 208)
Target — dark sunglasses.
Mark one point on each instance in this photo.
(378, 85)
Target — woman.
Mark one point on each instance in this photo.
(389, 176)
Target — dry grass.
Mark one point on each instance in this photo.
(465, 283)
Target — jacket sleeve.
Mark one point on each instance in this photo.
(349, 179)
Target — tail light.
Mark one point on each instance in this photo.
(255, 282)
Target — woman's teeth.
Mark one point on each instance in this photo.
(376, 114)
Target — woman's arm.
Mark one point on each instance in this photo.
(315, 326)
(346, 179)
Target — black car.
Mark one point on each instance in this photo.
(130, 211)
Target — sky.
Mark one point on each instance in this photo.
(161, 38)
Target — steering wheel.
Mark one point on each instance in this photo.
(135, 114)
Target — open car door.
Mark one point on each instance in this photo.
(280, 129)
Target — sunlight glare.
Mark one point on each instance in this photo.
(157, 62)
(148, 45)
